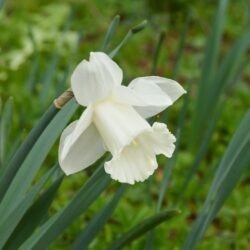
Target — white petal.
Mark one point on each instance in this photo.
(150, 95)
(118, 124)
(132, 165)
(108, 69)
(82, 124)
(94, 79)
(160, 140)
(83, 152)
(141, 95)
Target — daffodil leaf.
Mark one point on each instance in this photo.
(109, 34)
(19, 156)
(235, 160)
(230, 66)
(209, 65)
(34, 216)
(52, 228)
(97, 223)
(9, 222)
(201, 151)
(35, 158)
(5, 123)
(226, 75)
(141, 228)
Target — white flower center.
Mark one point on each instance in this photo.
(118, 124)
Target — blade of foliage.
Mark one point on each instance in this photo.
(5, 124)
(9, 222)
(109, 34)
(24, 149)
(232, 165)
(97, 223)
(141, 228)
(157, 51)
(149, 244)
(180, 46)
(227, 73)
(34, 216)
(229, 69)
(35, 158)
(209, 66)
(51, 229)
(13, 149)
(130, 33)
(238, 144)
(201, 152)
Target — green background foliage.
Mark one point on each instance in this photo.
(42, 41)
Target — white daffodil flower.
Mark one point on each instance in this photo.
(114, 121)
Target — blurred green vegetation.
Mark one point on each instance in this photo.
(40, 44)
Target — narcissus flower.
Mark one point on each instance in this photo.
(115, 121)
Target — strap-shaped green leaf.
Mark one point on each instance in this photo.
(141, 228)
(229, 67)
(232, 165)
(24, 149)
(213, 104)
(201, 152)
(5, 124)
(109, 34)
(9, 222)
(97, 223)
(51, 229)
(35, 158)
(34, 216)
(209, 65)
